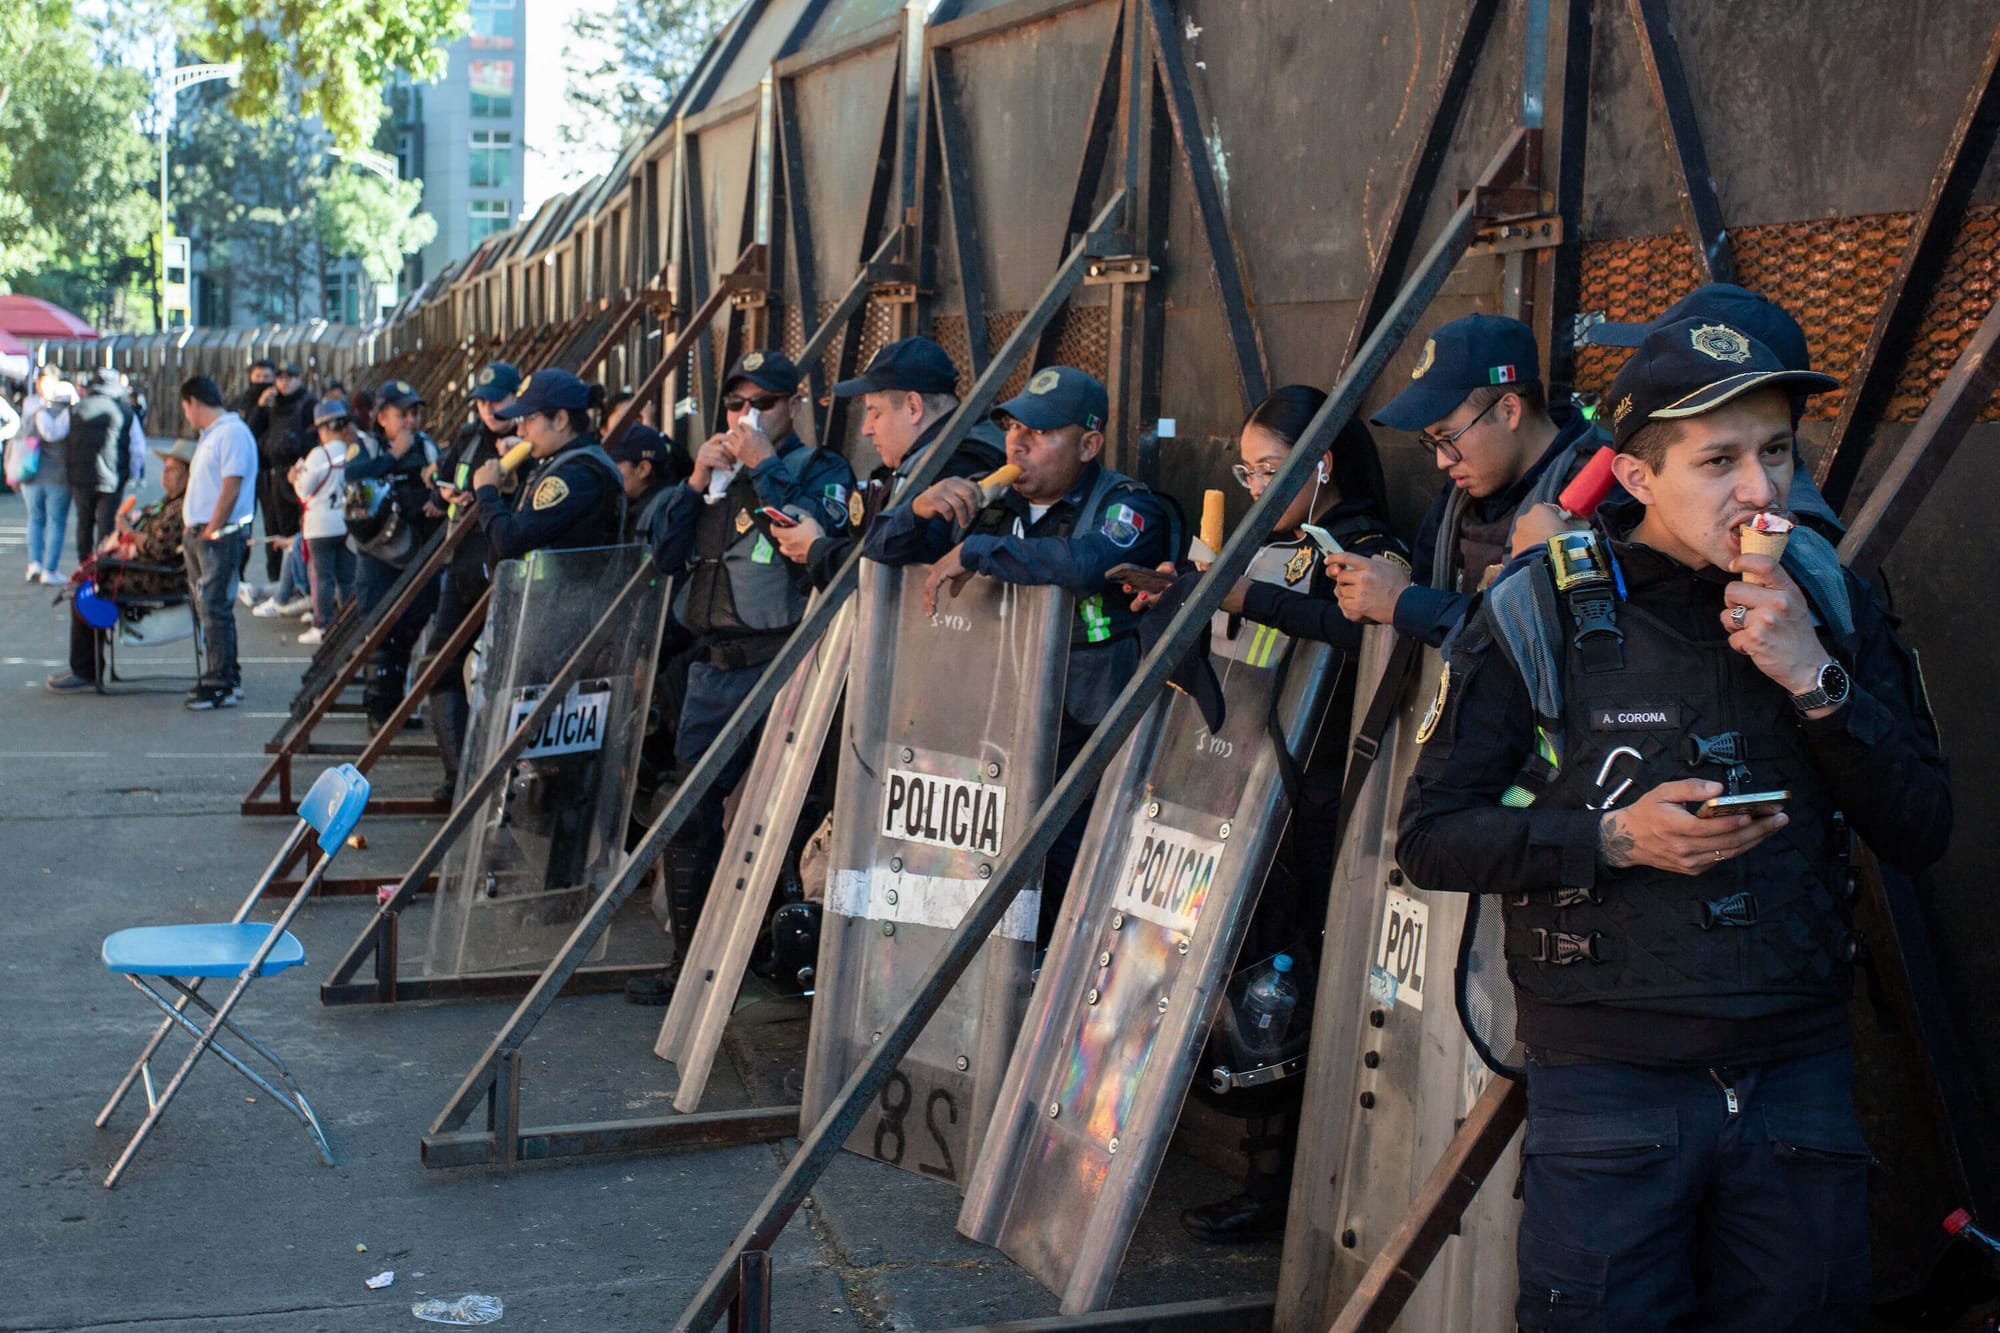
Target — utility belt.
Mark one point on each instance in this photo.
(737, 654)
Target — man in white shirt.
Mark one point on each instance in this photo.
(218, 507)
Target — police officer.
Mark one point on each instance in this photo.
(646, 467)
(479, 440)
(734, 593)
(400, 465)
(1346, 499)
(1692, 1155)
(1477, 403)
(1065, 522)
(575, 496)
(908, 393)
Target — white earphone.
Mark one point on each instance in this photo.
(1321, 474)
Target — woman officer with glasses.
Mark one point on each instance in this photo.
(1344, 499)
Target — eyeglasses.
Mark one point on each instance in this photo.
(1250, 477)
(1448, 444)
(764, 403)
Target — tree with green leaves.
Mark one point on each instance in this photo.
(651, 48)
(323, 58)
(75, 173)
(359, 215)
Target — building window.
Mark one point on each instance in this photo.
(492, 159)
(492, 28)
(492, 88)
(488, 216)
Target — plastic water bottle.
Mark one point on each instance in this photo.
(1268, 1004)
(1959, 1224)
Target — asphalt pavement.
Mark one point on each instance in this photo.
(121, 810)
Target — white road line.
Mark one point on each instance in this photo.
(54, 754)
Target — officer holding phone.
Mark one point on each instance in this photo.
(1692, 1156)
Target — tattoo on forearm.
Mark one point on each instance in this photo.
(1615, 842)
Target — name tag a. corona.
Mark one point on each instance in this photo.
(943, 812)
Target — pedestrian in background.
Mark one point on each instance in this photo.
(282, 423)
(98, 457)
(219, 506)
(44, 477)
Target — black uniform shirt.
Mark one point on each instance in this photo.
(1878, 754)
(568, 502)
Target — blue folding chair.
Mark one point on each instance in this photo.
(238, 948)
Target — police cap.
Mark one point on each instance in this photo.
(642, 444)
(769, 369)
(398, 393)
(547, 391)
(1466, 354)
(912, 365)
(1693, 366)
(1723, 302)
(1058, 396)
(496, 383)
(330, 411)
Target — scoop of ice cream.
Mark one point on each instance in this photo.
(1770, 520)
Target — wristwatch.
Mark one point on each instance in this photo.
(1831, 688)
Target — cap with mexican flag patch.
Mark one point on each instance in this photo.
(1466, 354)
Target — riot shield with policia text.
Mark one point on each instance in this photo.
(1185, 828)
(948, 746)
(551, 835)
(1393, 1071)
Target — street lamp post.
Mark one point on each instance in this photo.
(186, 76)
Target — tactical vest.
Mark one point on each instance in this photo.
(1104, 636)
(603, 526)
(1474, 546)
(1096, 621)
(1635, 704)
(739, 583)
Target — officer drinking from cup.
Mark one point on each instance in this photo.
(908, 393)
(734, 593)
(1476, 401)
(1682, 961)
(1065, 522)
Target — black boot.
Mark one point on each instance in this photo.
(1242, 1217)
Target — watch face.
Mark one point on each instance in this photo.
(1833, 681)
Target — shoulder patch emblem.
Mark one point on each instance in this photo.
(1721, 342)
(552, 492)
(1044, 381)
(1299, 565)
(857, 509)
(1123, 524)
(754, 361)
(1399, 560)
(1436, 710)
(743, 520)
(1424, 361)
(834, 501)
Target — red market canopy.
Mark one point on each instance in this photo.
(32, 317)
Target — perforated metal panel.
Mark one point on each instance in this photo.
(1833, 274)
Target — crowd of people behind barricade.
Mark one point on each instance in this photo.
(1681, 948)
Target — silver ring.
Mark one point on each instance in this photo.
(1718, 855)
(1738, 614)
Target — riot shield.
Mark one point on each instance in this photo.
(773, 790)
(1393, 1072)
(948, 746)
(1185, 828)
(552, 833)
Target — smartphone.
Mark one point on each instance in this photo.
(777, 518)
(1321, 538)
(1139, 578)
(1755, 803)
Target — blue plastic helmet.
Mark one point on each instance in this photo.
(97, 612)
